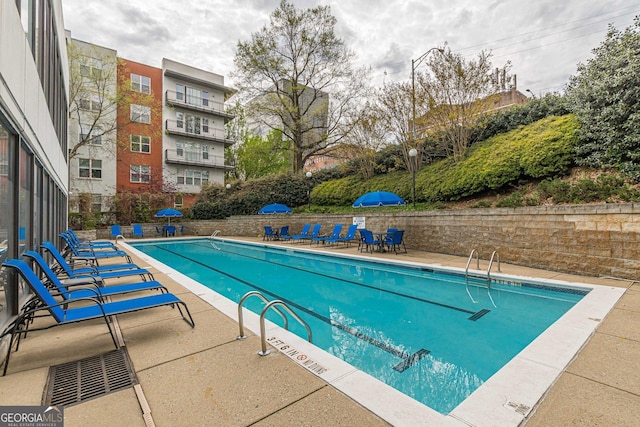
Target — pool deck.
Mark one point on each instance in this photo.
(205, 376)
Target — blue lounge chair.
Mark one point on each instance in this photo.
(269, 234)
(369, 242)
(144, 274)
(394, 240)
(92, 254)
(87, 243)
(303, 233)
(315, 232)
(89, 268)
(137, 231)
(62, 314)
(92, 285)
(347, 238)
(335, 234)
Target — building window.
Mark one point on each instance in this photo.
(96, 205)
(193, 177)
(205, 152)
(90, 168)
(179, 149)
(140, 173)
(141, 83)
(140, 144)
(179, 201)
(192, 124)
(205, 98)
(205, 125)
(193, 96)
(180, 92)
(140, 113)
(179, 120)
(92, 103)
(90, 136)
(91, 67)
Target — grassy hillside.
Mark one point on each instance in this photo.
(537, 151)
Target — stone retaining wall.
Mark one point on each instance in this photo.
(596, 240)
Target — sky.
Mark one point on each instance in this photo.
(544, 40)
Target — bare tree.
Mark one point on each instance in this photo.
(455, 94)
(301, 80)
(394, 110)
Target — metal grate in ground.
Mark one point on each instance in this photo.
(82, 380)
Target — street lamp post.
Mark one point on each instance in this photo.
(414, 64)
(309, 175)
(412, 155)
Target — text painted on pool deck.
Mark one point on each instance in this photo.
(297, 356)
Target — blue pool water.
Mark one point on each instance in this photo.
(424, 332)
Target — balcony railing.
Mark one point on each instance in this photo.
(183, 157)
(203, 132)
(196, 103)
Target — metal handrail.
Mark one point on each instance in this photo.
(263, 339)
(491, 263)
(215, 233)
(466, 270)
(241, 317)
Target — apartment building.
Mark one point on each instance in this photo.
(149, 130)
(194, 124)
(93, 124)
(140, 136)
(34, 82)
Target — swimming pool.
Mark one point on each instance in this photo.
(383, 318)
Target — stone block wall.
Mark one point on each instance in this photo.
(593, 240)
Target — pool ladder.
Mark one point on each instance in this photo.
(269, 304)
(494, 255)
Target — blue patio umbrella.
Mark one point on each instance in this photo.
(275, 208)
(378, 198)
(168, 213)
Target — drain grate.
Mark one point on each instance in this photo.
(86, 379)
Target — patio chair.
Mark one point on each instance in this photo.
(137, 231)
(92, 285)
(69, 273)
(315, 232)
(394, 240)
(284, 233)
(115, 231)
(158, 231)
(368, 241)
(87, 268)
(347, 238)
(335, 234)
(269, 234)
(92, 309)
(303, 233)
(182, 229)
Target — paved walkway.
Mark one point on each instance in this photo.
(205, 377)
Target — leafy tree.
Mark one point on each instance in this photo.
(301, 79)
(258, 156)
(605, 97)
(455, 94)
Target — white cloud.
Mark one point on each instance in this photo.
(544, 39)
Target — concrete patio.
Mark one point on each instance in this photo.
(204, 376)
